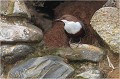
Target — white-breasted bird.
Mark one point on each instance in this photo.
(74, 28)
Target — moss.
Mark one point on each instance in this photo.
(10, 7)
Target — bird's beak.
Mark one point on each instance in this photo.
(57, 20)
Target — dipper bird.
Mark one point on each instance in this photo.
(74, 28)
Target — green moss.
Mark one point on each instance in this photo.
(10, 8)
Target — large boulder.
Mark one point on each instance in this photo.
(106, 23)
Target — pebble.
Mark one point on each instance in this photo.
(42, 68)
(91, 74)
(13, 53)
(83, 52)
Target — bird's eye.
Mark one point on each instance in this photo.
(63, 17)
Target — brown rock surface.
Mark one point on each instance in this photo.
(114, 74)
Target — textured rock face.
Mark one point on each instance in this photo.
(106, 23)
(82, 52)
(91, 74)
(16, 32)
(17, 29)
(12, 53)
(42, 67)
(118, 4)
(14, 8)
(1, 68)
(109, 3)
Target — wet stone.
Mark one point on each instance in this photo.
(15, 29)
(82, 52)
(91, 74)
(13, 53)
(42, 67)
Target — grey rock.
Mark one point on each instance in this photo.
(13, 53)
(118, 5)
(91, 74)
(109, 3)
(14, 29)
(106, 23)
(45, 23)
(1, 68)
(82, 52)
(14, 8)
(41, 68)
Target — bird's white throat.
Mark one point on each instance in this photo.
(72, 27)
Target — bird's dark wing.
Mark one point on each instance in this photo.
(84, 27)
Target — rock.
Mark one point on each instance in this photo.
(118, 5)
(40, 18)
(82, 52)
(14, 8)
(2, 76)
(1, 69)
(41, 67)
(109, 3)
(106, 23)
(17, 29)
(13, 53)
(43, 21)
(91, 74)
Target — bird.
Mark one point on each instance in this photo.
(74, 28)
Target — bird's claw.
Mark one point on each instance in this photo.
(76, 44)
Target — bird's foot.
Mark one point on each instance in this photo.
(75, 44)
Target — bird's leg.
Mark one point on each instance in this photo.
(70, 41)
(78, 43)
(109, 62)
